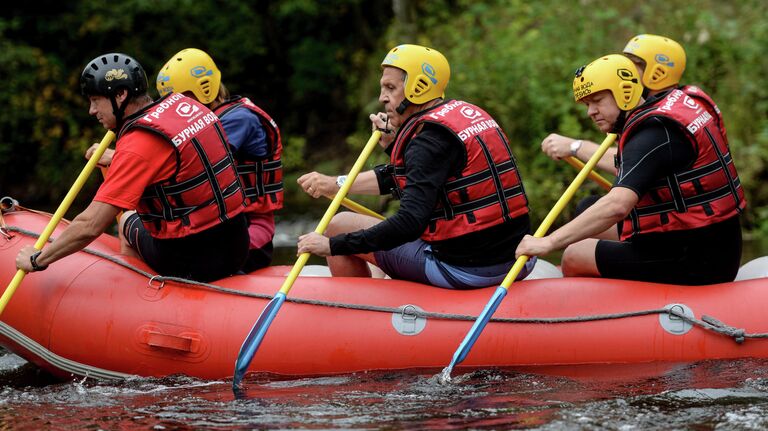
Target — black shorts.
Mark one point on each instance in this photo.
(209, 255)
(258, 258)
(707, 255)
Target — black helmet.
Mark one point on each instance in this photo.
(107, 73)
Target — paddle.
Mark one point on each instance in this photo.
(59, 214)
(360, 209)
(501, 291)
(255, 337)
(594, 176)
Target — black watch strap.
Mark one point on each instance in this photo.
(33, 261)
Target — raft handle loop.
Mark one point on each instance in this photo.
(156, 277)
(410, 312)
(8, 204)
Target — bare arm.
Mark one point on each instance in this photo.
(606, 163)
(606, 212)
(558, 147)
(88, 225)
(316, 184)
(106, 158)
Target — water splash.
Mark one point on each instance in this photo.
(726, 394)
(445, 376)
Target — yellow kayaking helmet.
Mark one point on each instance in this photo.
(664, 59)
(612, 72)
(190, 70)
(426, 71)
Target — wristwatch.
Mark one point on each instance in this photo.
(340, 180)
(33, 262)
(576, 146)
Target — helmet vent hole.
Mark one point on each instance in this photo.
(659, 74)
(420, 86)
(626, 93)
(206, 87)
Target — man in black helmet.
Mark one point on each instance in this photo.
(171, 165)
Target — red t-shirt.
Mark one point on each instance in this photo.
(141, 158)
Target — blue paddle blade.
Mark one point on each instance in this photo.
(475, 331)
(252, 342)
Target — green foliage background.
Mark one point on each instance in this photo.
(313, 64)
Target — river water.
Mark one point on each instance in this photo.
(711, 395)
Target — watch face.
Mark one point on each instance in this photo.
(575, 145)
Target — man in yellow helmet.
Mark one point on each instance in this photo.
(677, 196)
(463, 208)
(660, 62)
(253, 137)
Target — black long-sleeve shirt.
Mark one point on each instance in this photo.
(657, 149)
(433, 155)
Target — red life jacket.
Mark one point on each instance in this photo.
(205, 190)
(709, 191)
(262, 178)
(487, 192)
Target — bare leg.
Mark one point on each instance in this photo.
(376, 272)
(353, 265)
(125, 248)
(579, 259)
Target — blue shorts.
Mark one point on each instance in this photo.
(414, 261)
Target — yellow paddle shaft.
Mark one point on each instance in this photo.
(559, 205)
(59, 214)
(331, 211)
(360, 209)
(594, 176)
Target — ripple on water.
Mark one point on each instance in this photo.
(707, 395)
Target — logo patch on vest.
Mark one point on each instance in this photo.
(448, 107)
(671, 100)
(470, 112)
(699, 121)
(186, 109)
(194, 128)
(477, 128)
(690, 103)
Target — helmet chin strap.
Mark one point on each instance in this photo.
(119, 112)
(403, 106)
(618, 126)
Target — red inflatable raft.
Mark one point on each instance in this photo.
(90, 315)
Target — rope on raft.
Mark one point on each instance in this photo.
(706, 322)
